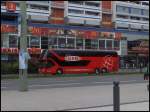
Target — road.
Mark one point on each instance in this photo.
(61, 82)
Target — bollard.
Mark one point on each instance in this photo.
(116, 96)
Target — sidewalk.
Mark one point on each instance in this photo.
(71, 98)
(143, 106)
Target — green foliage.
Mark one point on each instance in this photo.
(12, 67)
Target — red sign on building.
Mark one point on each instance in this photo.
(8, 28)
(11, 6)
(118, 35)
(36, 31)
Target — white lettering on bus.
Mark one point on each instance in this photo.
(72, 58)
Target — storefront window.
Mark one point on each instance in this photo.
(52, 42)
(102, 44)
(70, 43)
(116, 44)
(87, 43)
(44, 42)
(94, 44)
(109, 44)
(13, 41)
(79, 43)
(34, 42)
(62, 42)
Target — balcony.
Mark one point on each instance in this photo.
(38, 18)
(93, 22)
(130, 4)
(122, 25)
(145, 27)
(73, 4)
(135, 26)
(75, 20)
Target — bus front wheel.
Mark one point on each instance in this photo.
(59, 71)
(97, 71)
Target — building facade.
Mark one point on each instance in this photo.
(126, 15)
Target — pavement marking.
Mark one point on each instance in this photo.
(60, 84)
(76, 83)
(52, 84)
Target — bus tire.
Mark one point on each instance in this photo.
(59, 71)
(104, 70)
(97, 71)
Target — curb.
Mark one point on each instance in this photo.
(15, 76)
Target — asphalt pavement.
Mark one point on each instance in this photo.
(62, 82)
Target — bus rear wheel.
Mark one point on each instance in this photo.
(104, 70)
(59, 72)
(97, 71)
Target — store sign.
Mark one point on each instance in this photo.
(15, 50)
(36, 31)
(9, 50)
(42, 31)
(8, 28)
(10, 6)
(140, 47)
(87, 34)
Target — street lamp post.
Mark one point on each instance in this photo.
(23, 61)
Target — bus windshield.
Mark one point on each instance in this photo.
(45, 64)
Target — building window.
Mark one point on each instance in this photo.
(135, 18)
(76, 2)
(35, 42)
(145, 3)
(70, 43)
(145, 19)
(92, 13)
(62, 42)
(116, 44)
(52, 42)
(92, 4)
(13, 41)
(39, 7)
(146, 12)
(136, 11)
(102, 44)
(79, 43)
(75, 11)
(122, 16)
(109, 44)
(122, 9)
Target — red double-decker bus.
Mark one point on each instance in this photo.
(78, 61)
